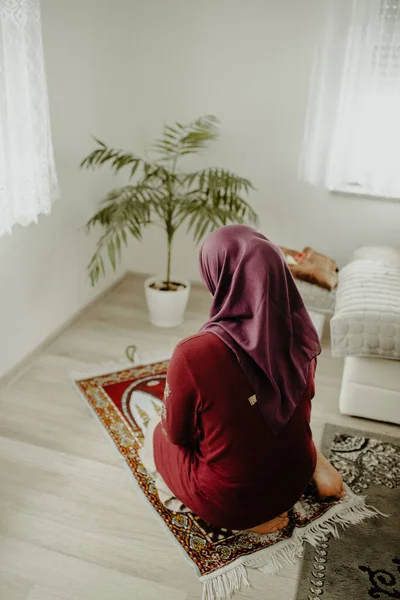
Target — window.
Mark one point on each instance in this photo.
(28, 182)
(352, 140)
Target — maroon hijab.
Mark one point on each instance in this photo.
(259, 314)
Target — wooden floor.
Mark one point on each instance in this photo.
(72, 526)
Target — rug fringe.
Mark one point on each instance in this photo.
(286, 553)
(226, 584)
(350, 512)
(141, 359)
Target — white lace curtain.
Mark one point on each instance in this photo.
(28, 182)
(352, 139)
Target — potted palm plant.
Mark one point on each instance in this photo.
(160, 191)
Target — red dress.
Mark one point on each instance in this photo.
(213, 447)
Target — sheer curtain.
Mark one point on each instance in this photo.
(28, 182)
(352, 138)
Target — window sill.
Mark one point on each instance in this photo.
(360, 192)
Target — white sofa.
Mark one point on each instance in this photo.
(371, 389)
(366, 330)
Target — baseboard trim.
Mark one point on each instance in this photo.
(23, 364)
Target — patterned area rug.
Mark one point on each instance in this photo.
(365, 563)
(124, 401)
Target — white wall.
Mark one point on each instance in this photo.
(42, 267)
(249, 64)
(119, 69)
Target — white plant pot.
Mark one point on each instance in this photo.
(167, 309)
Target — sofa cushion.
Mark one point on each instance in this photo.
(312, 267)
(367, 314)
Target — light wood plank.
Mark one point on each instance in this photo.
(13, 587)
(61, 573)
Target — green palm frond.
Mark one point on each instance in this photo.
(124, 211)
(117, 159)
(222, 190)
(203, 218)
(219, 184)
(180, 140)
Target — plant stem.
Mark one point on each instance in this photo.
(170, 237)
(169, 225)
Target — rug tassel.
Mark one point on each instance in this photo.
(226, 584)
(285, 553)
(142, 358)
(285, 557)
(349, 515)
(272, 559)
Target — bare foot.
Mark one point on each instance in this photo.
(273, 525)
(327, 480)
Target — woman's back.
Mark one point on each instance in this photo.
(218, 455)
